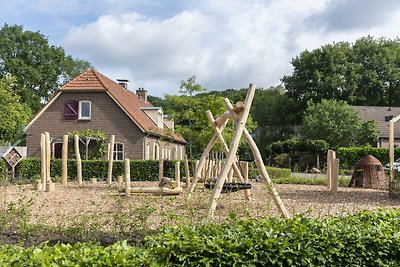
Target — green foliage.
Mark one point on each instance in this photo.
(191, 121)
(364, 73)
(79, 254)
(365, 239)
(342, 181)
(141, 170)
(338, 124)
(38, 67)
(190, 87)
(276, 173)
(13, 113)
(350, 155)
(97, 148)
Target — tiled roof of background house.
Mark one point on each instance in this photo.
(381, 115)
(92, 80)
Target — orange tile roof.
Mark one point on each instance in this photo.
(92, 80)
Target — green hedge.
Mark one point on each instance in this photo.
(141, 170)
(278, 173)
(364, 239)
(350, 155)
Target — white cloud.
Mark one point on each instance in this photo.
(227, 43)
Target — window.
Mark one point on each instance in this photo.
(57, 150)
(147, 151)
(85, 110)
(160, 120)
(118, 151)
(71, 108)
(156, 150)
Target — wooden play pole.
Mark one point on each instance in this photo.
(43, 168)
(240, 125)
(187, 172)
(329, 164)
(245, 172)
(127, 178)
(48, 155)
(201, 162)
(178, 174)
(260, 164)
(335, 174)
(160, 170)
(110, 159)
(78, 161)
(64, 160)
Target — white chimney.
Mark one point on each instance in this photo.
(123, 83)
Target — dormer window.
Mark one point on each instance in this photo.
(85, 110)
(160, 120)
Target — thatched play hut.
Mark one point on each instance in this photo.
(369, 173)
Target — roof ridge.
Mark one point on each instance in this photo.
(96, 73)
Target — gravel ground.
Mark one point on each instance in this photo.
(67, 203)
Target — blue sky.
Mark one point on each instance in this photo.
(227, 43)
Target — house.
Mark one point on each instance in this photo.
(382, 116)
(93, 101)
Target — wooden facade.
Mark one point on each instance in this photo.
(135, 138)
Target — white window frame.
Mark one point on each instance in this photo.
(160, 119)
(80, 117)
(117, 152)
(156, 150)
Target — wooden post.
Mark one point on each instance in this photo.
(177, 174)
(230, 176)
(391, 153)
(245, 172)
(110, 159)
(231, 157)
(259, 163)
(43, 174)
(64, 178)
(78, 161)
(187, 172)
(330, 157)
(160, 170)
(48, 156)
(199, 164)
(335, 174)
(127, 178)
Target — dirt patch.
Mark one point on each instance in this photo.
(99, 207)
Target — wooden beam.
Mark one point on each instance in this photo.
(232, 151)
(127, 178)
(64, 160)
(260, 164)
(43, 168)
(78, 161)
(111, 159)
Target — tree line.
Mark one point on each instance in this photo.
(312, 105)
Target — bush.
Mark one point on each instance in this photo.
(141, 170)
(350, 155)
(277, 173)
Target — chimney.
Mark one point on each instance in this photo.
(123, 83)
(142, 94)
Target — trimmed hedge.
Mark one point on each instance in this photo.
(278, 173)
(141, 170)
(350, 155)
(365, 239)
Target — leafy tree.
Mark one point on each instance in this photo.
(364, 73)
(38, 67)
(97, 148)
(190, 87)
(13, 113)
(338, 124)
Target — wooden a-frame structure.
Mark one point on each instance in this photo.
(239, 115)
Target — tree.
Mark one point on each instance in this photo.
(190, 87)
(38, 67)
(13, 113)
(338, 124)
(191, 122)
(364, 73)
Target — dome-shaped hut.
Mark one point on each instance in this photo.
(369, 173)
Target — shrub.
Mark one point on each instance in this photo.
(350, 155)
(141, 170)
(277, 173)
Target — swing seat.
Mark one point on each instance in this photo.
(230, 187)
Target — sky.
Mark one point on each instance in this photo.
(156, 44)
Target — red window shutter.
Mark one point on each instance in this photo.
(71, 110)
